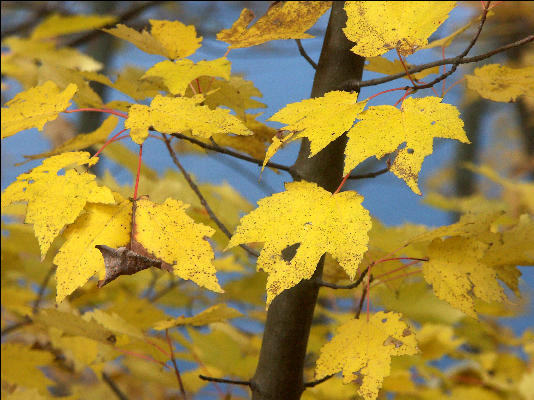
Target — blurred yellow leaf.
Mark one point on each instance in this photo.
(56, 25)
(380, 26)
(435, 341)
(500, 83)
(170, 234)
(55, 201)
(20, 366)
(365, 348)
(178, 114)
(34, 107)
(283, 20)
(178, 74)
(83, 140)
(384, 66)
(217, 313)
(311, 218)
(382, 129)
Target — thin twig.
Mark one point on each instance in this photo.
(176, 370)
(305, 55)
(166, 290)
(317, 382)
(203, 201)
(17, 326)
(232, 153)
(221, 380)
(369, 175)
(351, 286)
(355, 85)
(113, 386)
(362, 299)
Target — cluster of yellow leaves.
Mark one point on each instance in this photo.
(381, 26)
(315, 220)
(283, 20)
(381, 130)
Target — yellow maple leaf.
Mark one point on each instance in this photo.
(178, 114)
(312, 218)
(78, 259)
(56, 25)
(170, 234)
(457, 273)
(365, 348)
(382, 129)
(170, 39)
(283, 20)
(501, 83)
(82, 141)
(217, 313)
(380, 26)
(34, 107)
(177, 75)
(321, 120)
(55, 201)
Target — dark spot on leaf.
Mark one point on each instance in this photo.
(289, 252)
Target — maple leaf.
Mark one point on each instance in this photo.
(82, 141)
(217, 313)
(321, 120)
(170, 39)
(34, 107)
(501, 83)
(457, 273)
(55, 201)
(382, 129)
(384, 25)
(177, 75)
(312, 218)
(177, 114)
(365, 348)
(56, 25)
(171, 235)
(78, 259)
(283, 20)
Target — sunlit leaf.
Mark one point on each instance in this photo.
(365, 348)
(35, 107)
(170, 234)
(380, 26)
(315, 220)
(177, 75)
(55, 201)
(177, 114)
(283, 20)
(382, 129)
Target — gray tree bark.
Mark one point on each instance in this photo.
(279, 374)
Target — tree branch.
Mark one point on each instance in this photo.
(351, 286)
(113, 386)
(369, 174)
(221, 380)
(176, 370)
(354, 84)
(305, 55)
(203, 201)
(317, 382)
(232, 153)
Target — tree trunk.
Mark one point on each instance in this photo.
(279, 374)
